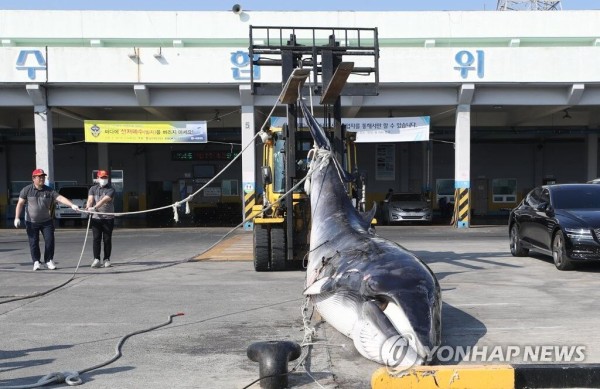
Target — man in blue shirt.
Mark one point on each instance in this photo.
(38, 200)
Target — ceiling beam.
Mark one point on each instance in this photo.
(465, 94)
(142, 94)
(163, 113)
(575, 93)
(530, 115)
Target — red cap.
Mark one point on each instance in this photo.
(102, 173)
(38, 172)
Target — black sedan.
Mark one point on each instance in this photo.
(558, 220)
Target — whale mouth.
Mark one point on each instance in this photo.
(417, 352)
(385, 336)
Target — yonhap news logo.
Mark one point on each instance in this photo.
(398, 355)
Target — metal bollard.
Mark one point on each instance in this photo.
(273, 358)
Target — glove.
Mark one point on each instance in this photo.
(17, 223)
(75, 207)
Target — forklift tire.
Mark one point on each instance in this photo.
(278, 249)
(262, 248)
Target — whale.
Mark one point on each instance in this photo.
(368, 288)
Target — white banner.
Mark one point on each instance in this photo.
(377, 130)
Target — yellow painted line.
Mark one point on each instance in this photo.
(447, 377)
(236, 248)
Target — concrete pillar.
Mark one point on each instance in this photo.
(462, 169)
(592, 156)
(42, 120)
(248, 157)
(44, 144)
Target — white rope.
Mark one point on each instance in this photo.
(320, 159)
(190, 197)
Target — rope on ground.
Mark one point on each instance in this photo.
(39, 294)
(73, 378)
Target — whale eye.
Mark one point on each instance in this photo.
(382, 304)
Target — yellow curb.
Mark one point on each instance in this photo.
(235, 248)
(447, 377)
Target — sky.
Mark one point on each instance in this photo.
(277, 5)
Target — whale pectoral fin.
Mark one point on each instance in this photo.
(319, 286)
(371, 332)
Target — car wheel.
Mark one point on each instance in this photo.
(386, 219)
(559, 253)
(516, 248)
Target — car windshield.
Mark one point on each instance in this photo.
(578, 197)
(74, 192)
(406, 197)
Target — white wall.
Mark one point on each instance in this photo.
(166, 25)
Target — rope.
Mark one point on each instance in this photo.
(175, 205)
(39, 294)
(175, 215)
(72, 378)
(307, 343)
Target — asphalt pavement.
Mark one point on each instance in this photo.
(490, 299)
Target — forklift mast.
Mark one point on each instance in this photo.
(329, 56)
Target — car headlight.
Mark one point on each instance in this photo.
(579, 233)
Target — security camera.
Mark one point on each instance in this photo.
(236, 9)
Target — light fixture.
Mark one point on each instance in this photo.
(566, 115)
(134, 55)
(237, 9)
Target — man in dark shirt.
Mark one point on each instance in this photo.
(39, 200)
(100, 200)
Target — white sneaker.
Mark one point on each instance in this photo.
(106, 263)
(36, 265)
(51, 265)
(96, 263)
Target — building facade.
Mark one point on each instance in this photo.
(512, 99)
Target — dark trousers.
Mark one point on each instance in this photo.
(102, 230)
(33, 233)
